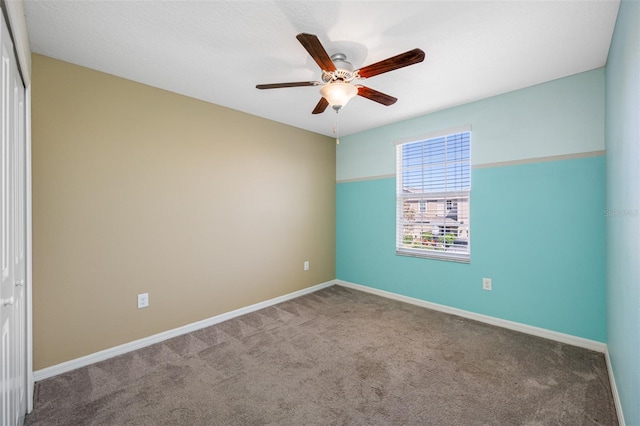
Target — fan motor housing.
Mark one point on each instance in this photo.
(344, 70)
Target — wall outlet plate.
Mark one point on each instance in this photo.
(143, 300)
(486, 283)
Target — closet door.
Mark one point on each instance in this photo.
(13, 382)
(17, 135)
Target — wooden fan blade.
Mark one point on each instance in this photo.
(317, 52)
(322, 105)
(399, 61)
(374, 95)
(294, 84)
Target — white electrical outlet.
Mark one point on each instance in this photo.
(143, 300)
(486, 283)
(306, 265)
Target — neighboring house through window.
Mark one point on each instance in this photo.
(432, 201)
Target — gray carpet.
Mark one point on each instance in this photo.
(337, 357)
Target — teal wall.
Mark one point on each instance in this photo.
(537, 223)
(623, 203)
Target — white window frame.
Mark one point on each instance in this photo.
(437, 247)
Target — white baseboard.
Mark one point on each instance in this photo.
(73, 364)
(528, 329)
(614, 389)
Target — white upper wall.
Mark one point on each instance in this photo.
(562, 117)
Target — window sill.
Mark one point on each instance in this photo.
(451, 257)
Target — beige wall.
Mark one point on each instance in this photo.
(136, 189)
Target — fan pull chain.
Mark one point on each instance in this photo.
(335, 129)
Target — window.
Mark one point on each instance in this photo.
(436, 172)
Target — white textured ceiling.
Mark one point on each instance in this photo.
(217, 51)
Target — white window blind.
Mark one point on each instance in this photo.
(432, 201)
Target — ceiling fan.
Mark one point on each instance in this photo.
(338, 75)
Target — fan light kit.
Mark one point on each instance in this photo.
(338, 76)
(338, 94)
